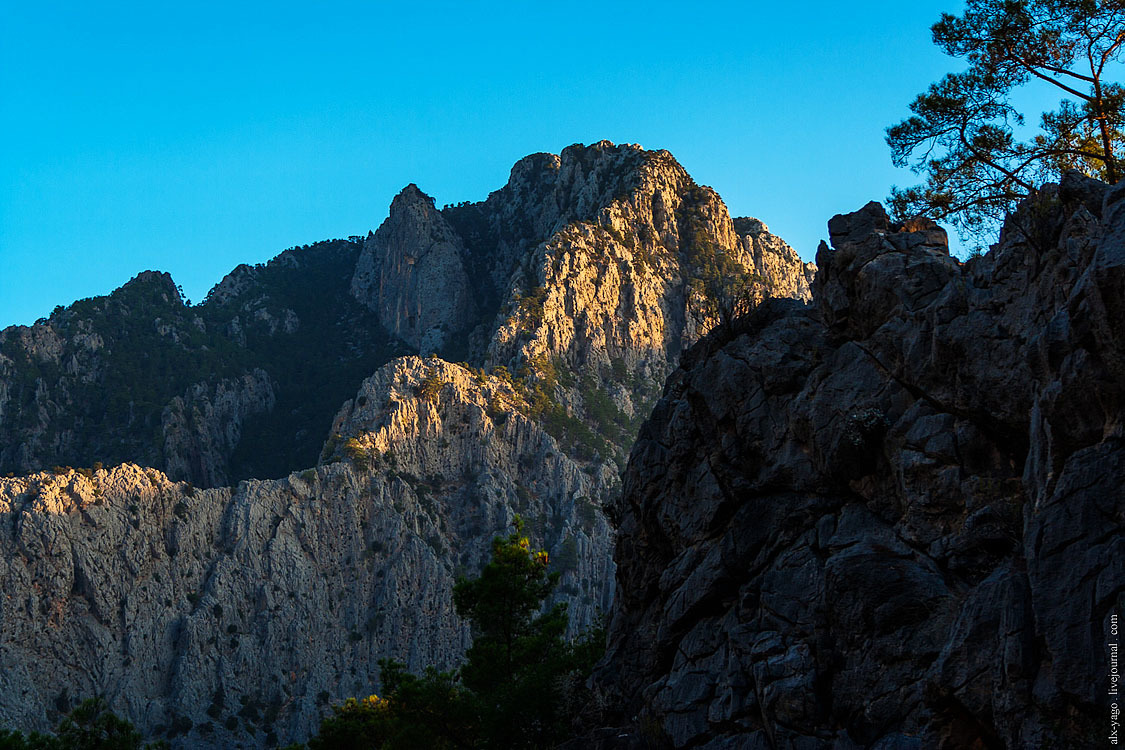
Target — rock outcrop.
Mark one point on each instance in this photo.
(231, 615)
(203, 427)
(892, 519)
(584, 263)
(779, 266)
(410, 272)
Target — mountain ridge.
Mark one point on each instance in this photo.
(320, 297)
(394, 468)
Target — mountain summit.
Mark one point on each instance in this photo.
(585, 255)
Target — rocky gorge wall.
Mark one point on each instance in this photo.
(229, 616)
(893, 518)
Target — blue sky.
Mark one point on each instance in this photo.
(195, 137)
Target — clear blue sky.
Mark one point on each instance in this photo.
(191, 137)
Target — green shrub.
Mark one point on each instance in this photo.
(330, 445)
(567, 558)
(620, 369)
(357, 453)
(496, 409)
(501, 373)
(90, 726)
(431, 386)
(587, 512)
(531, 306)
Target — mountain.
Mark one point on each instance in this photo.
(300, 466)
(246, 383)
(242, 385)
(892, 518)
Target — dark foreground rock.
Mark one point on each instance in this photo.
(892, 518)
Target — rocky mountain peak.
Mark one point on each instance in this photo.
(748, 225)
(145, 278)
(534, 169)
(554, 190)
(565, 298)
(154, 285)
(411, 272)
(409, 197)
(234, 284)
(590, 259)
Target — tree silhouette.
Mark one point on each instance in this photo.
(961, 135)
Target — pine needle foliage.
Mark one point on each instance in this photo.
(962, 136)
(517, 689)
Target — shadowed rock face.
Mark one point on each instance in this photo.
(893, 518)
(411, 273)
(243, 384)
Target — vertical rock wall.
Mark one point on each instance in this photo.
(894, 518)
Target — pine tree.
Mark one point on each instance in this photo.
(520, 679)
(961, 136)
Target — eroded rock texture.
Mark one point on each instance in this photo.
(892, 519)
(231, 616)
(411, 273)
(582, 265)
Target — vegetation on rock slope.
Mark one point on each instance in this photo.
(126, 356)
(518, 688)
(585, 326)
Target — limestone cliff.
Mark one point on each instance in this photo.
(894, 518)
(777, 263)
(230, 615)
(585, 264)
(411, 273)
(593, 255)
(202, 427)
